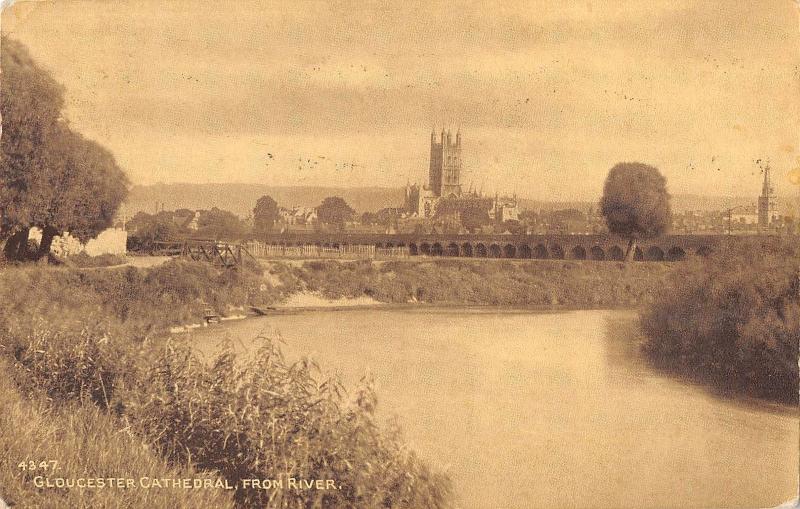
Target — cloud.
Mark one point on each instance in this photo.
(547, 94)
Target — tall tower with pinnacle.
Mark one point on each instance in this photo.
(445, 167)
(766, 202)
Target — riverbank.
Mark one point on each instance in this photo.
(88, 351)
(543, 283)
(98, 340)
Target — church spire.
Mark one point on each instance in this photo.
(766, 188)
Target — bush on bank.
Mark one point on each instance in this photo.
(267, 419)
(83, 260)
(732, 319)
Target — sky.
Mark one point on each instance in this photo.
(548, 95)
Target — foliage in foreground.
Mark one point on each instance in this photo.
(86, 442)
(264, 418)
(732, 319)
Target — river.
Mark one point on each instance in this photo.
(548, 410)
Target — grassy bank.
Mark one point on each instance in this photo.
(87, 443)
(502, 283)
(90, 376)
(732, 320)
(129, 301)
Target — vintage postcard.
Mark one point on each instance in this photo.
(381, 254)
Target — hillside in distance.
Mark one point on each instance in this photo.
(241, 198)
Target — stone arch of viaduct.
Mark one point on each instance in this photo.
(574, 247)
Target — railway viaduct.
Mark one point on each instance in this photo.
(555, 246)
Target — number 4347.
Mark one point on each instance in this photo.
(42, 465)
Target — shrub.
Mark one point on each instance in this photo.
(731, 319)
(66, 365)
(138, 303)
(264, 418)
(540, 283)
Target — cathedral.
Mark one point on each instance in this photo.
(444, 176)
(443, 191)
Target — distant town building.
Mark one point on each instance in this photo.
(193, 222)
(766, 202)
(505, 208)
(109, 241)
(746, 216)
(297, 215)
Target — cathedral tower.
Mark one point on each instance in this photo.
(445, 169)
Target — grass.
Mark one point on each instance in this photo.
(535, 283)
(83, 260)
(86, 442)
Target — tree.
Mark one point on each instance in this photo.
(89, 188)
(30, 103)
(265, 214)
(473, 218)
(334, 211)
(144, 230)
(369, 218)
(635, 203)
(219, 224)
(50, 177)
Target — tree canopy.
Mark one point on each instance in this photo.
(144, 229)
(635, 201)
(265, 214)
(50, 176)
(473, 218)
(334, 210)
(219, 224)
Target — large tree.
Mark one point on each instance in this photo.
(635, 203)
(89, 188)
(30, 104)
(50, 177)
(144, 229)
(265, 214)
(334, 211)
(219, 224)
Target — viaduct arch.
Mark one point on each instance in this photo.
(537, 247)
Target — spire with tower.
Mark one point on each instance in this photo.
(766, 202)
